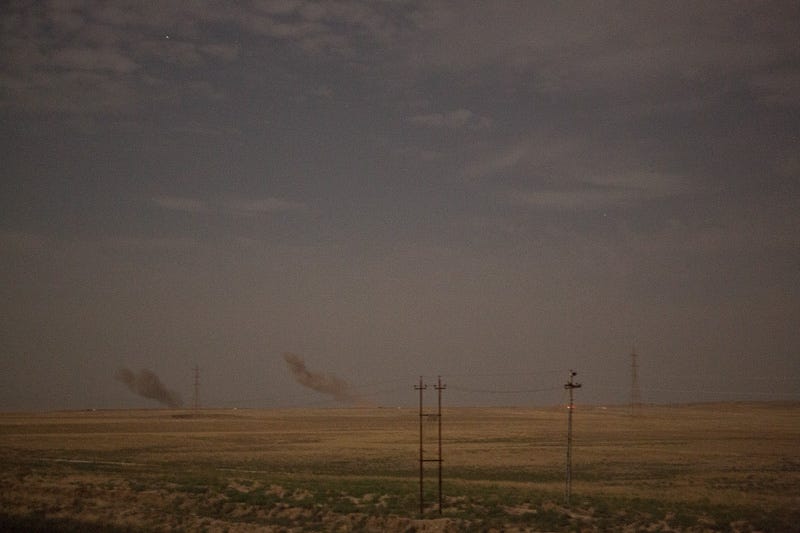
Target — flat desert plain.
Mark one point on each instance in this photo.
(705, 467)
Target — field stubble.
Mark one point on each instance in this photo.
(722, 467)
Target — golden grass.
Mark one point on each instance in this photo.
(743, 456)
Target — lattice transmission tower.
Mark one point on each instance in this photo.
(196, 395)
(636, 392)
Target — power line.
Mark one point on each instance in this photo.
(723, 392)
(498, 391)
(504, 374)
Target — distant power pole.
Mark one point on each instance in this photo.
(196, 388)
(421, 387)
(636, 393)
(570, 386)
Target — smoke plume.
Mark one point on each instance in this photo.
(147, 385)
(324, 383)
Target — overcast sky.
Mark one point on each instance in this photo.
(492, 191)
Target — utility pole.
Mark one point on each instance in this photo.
(195, 401)
(439, 388)
(421, 387)
(422, 415)
(636, 393)
(570, 386)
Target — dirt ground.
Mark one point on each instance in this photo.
(721, 467)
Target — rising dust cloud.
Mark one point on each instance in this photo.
(147, 385)
(328, 384)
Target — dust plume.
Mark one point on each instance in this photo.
(147, 385)
(324, 383)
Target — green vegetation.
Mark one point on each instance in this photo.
(37, 522)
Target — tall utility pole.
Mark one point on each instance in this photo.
(636, 393)
(195, 401)
(421, 387)
(570, 386)
(439, 388)
(422, 415)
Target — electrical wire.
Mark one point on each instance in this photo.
(497, 391)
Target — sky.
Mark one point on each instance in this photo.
(494, 192)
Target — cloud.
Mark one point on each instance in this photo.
(76, 92)
(176, 203)
(172, 51)
(66, 15)
(780, 88)
(788, 165)
(646, 184)
(269, 27)
(25, 242)
(338, 28)
(576, 42)
(230, 206)
(550, 48)
(90, 57)
(458, 118)
(225, 51)
(250, 207)
(94, 59)
(499, 160)
(277, 7)
(194, 128)
(601, 192)
(579, 199)
(147, 245)
(56, 40)
(525, 155)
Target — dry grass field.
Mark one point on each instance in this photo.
(720, 467)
